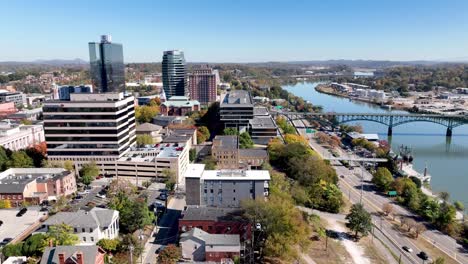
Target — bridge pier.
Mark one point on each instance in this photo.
(390, 131)
(449, 132)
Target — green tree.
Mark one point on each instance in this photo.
(134, 213)
(34, 245)
(446, 215)
(89, 172)
(146, 184)
(230, 131)
(145, 114)
(382, 179)
(5, 204)
(3, 159)
(69, 165)
(203, 134)
(359, 220)
(144, 140)
(430, 209)
(13, 250)
(459, 205)
(19, 159)
(210, 163)
(170, 179)
(445, 196)
(61, 235)
(109, 245)
(245, 141)
(169, 255)
(192, 155)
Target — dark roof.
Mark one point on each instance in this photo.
(239, 98)
(253, 153)
(228, 142)
(51, 254)
(163, 120)
(212, 214)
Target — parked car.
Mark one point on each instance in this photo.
(85, 192)
(78, 197)
(102, 196)
(162, 197)
(22, 212)
(407, 249)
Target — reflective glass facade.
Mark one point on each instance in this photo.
(107, 67)
(174, 74)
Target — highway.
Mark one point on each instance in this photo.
(350, 185)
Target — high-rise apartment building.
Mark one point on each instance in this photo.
(203, 83)
(174, 74)
(90, 127)
(107, 66)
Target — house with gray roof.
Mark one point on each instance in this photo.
(198, 245)
(90, 226)
(73, 255)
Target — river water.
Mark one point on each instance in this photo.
(447, 160)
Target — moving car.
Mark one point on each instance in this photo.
(22, 212)
(423, 255)
(407, 249)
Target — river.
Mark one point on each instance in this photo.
(447, 160)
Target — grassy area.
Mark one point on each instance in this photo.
(433, 252)
(371, 250)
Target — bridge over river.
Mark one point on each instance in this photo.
(391, 120)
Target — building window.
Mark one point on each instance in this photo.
(84, 239)
(83, 230)
(233, 198)
(75, 230)
(92, 239)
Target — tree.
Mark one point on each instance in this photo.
(210, 163)
(419, 228)
(145, 114)
(245, 141)
(12, 250)
(230, 131)
(382, 179)
(34, 245)
(62, 235)
(203, 134)
(387, 208)
(26, 122)
(143, 140)
(19, 159)
(37, 153)
(3, 159)
(446, 215)
(445, 196)
(146, 184)
(292, 138)
(89, 172)
(5, 204)
(459, 205)
(192, 154)
(410, 224)
(169, 255)
(69, 165)
(109, 245)
(359, 220)
(170, 179)
(134, 213)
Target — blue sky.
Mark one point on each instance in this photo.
(238, 31)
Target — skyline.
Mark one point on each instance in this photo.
(239, 32)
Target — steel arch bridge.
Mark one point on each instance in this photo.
(389, 119)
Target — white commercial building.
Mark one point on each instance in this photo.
(90, 127)
(90, 226)
(224, 188)
(15, 136)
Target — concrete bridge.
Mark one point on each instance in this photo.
(391, 120)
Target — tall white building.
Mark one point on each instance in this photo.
(16, 136)
(90, 127)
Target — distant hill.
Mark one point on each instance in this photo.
(55, 62)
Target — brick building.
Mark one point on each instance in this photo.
(203, 84)
(179, 106)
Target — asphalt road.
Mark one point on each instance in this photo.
(350, 185)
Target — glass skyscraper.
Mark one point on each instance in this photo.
(107, 66)
(174, 74)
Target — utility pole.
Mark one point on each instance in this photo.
(362, 183)
(131, 253)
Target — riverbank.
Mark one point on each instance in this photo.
(322, 88)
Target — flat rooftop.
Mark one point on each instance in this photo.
(228, 142)
(238, 98)
(13, 180)
(150, 153)
(13, 226)
(237, 175)
(260, 111)
(262, 122)
(194, 213)
(253, 153)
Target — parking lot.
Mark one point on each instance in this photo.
(14, 226)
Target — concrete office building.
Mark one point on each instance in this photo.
(107, 66)
(90, 127)
(203, 83)
(15, 136)
(224, 188)
(236, 109)
(16, 97)
(174, 74)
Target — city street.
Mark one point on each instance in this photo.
(167, 229)
(350, 185)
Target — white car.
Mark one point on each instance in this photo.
(102, 196)
(85, 192)
(258, 226)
